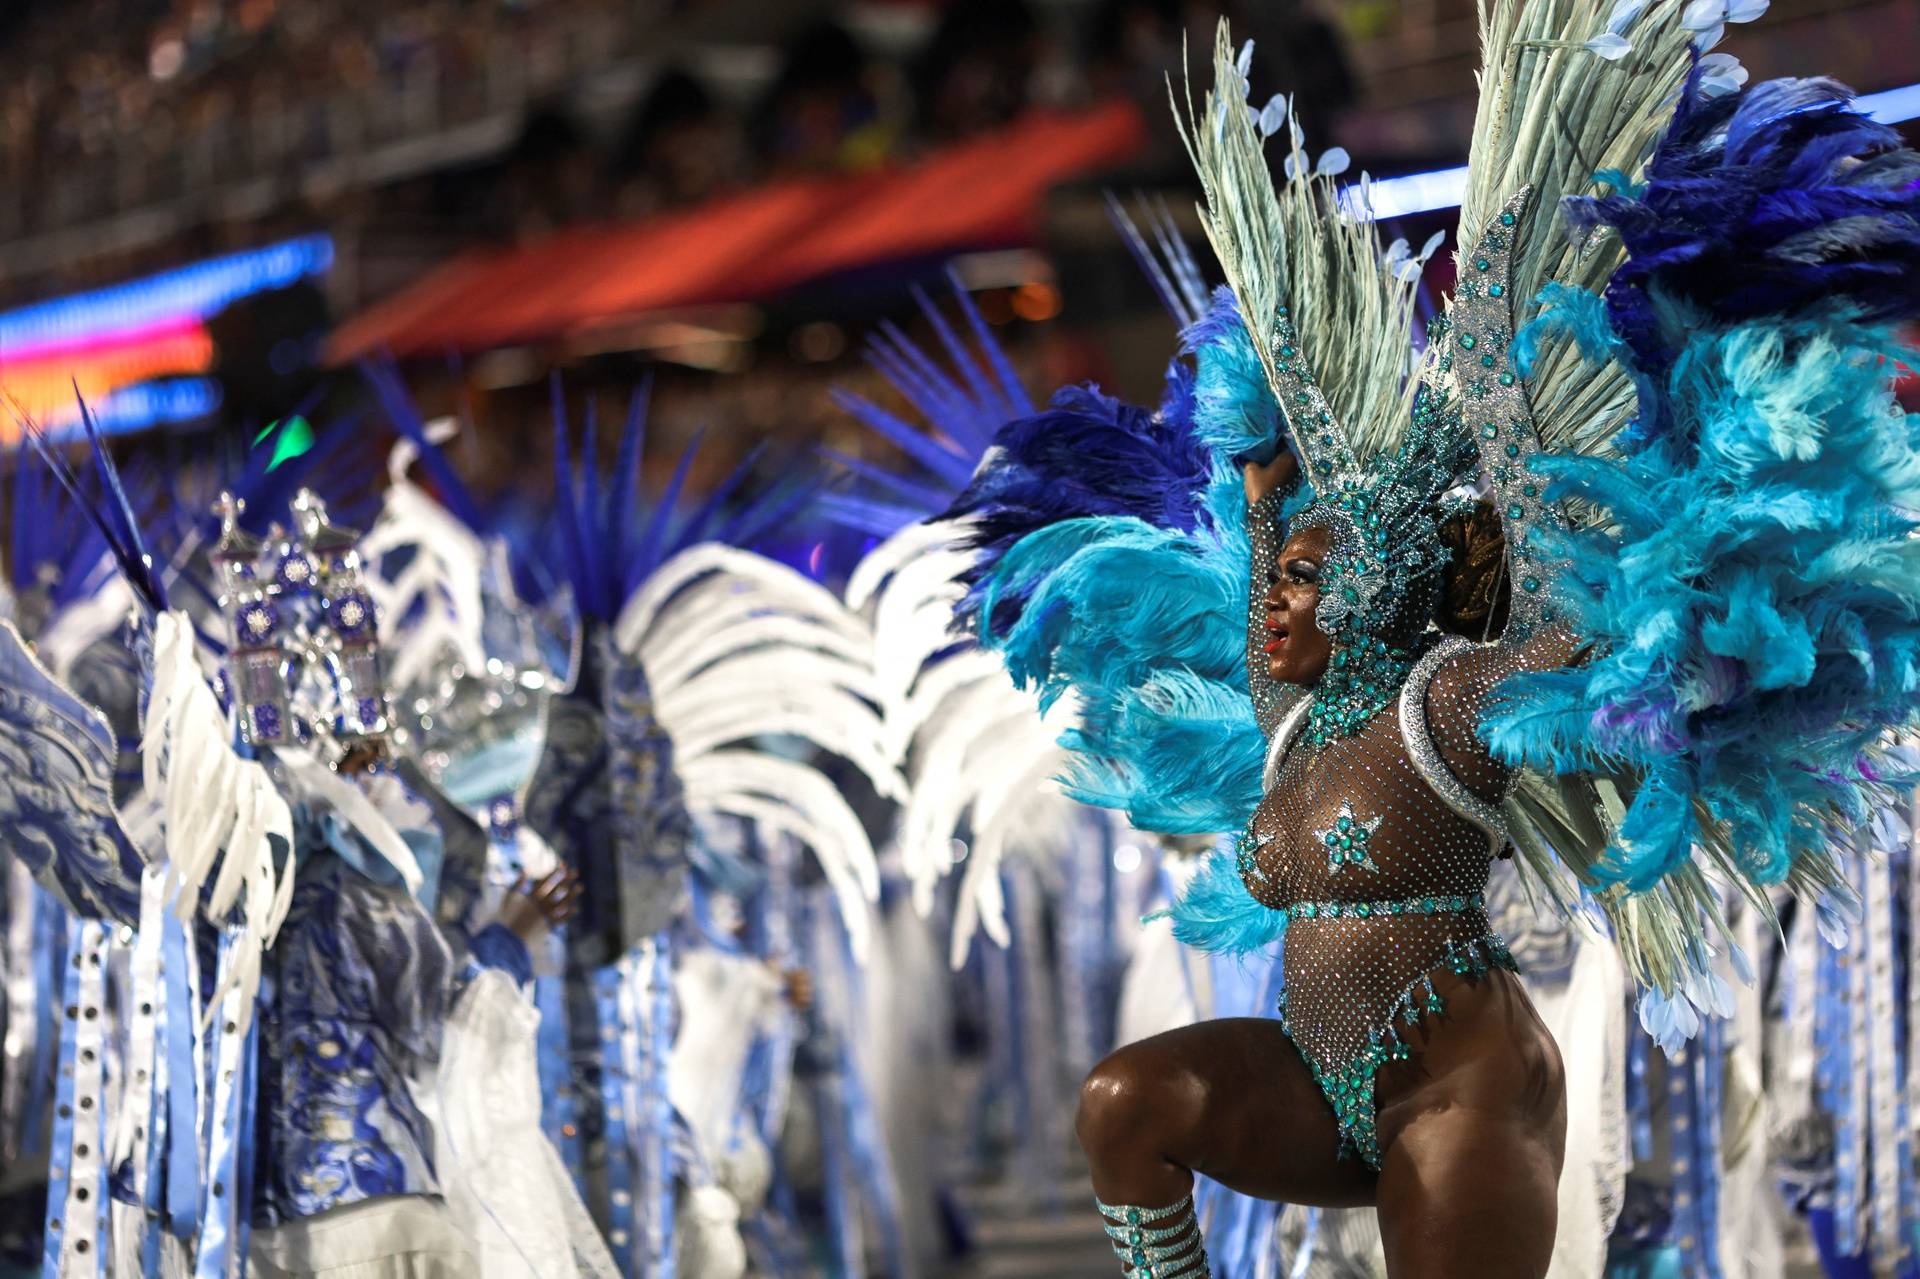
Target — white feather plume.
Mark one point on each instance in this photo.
(736, 647)
(786, 797)
(434, 604)
(94, 615)
(217, 809)
(982, 755)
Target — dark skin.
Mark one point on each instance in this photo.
(1472, 1127)
(536, 905)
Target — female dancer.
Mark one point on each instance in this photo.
(1468, 1134)
(1669, 675)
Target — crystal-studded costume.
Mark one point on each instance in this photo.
(1681, 417)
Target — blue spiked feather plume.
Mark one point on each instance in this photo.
(54, 547)
(962, 405)
(106, 506)
(1039, 475)
(608, 544)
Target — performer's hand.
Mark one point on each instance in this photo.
(535, 905)
(361, 756)
(1277, 474)
(799, 988)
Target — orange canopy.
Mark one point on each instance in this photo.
(983, 193)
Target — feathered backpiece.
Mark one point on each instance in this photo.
(1740, 559)
(1682, 410)
(226, 833)
(693, 653)
(56, 556)
(1111, 566)
(1682, 413)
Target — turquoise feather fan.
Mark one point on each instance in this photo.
(1144, 625)
(1746, 574)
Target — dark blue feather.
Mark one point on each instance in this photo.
(405, 418)
(708, 511)
(1013, 395)
(1773, 201)
(626, 467)
(653, 540)
(1087, 454)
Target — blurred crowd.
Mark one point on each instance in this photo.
(836, 105)
(136, 88)
(107, 105)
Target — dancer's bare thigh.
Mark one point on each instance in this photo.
(1230, 1098)
(1473, 1131)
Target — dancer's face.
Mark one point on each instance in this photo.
(1297, 651)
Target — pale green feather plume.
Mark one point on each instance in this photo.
(1282, 242)
(1553, 113)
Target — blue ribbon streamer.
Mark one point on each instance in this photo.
(62, 1147)
(243, 1159)
(50, 944)
(660, 1161)
(1637, 1101)
(182, 1142)
(560, 1114)
(619, 1216)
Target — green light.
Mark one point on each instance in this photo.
(295, 438)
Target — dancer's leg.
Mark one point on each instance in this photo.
(1230, 1098)
(1473, 1129)
(1467, 1195)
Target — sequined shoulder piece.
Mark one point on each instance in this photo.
(1426, 758)
(1291, 722)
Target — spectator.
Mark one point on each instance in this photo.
(552, 175)
(679, 148)
(822, 113)
(977, 71)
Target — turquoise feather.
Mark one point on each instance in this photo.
(1216, 913)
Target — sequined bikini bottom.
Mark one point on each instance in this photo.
(1359, 972)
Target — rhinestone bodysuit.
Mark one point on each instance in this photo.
(1377, 846)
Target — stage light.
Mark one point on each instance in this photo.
(1036, 301)
(133, 408)
(1895, 106)
(295, 438)
(187, 293)
(817, 343)
(130, 408)
(1429, 192)
(1402, 196)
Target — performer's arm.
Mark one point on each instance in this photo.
(524, 917)
(1462, 691)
